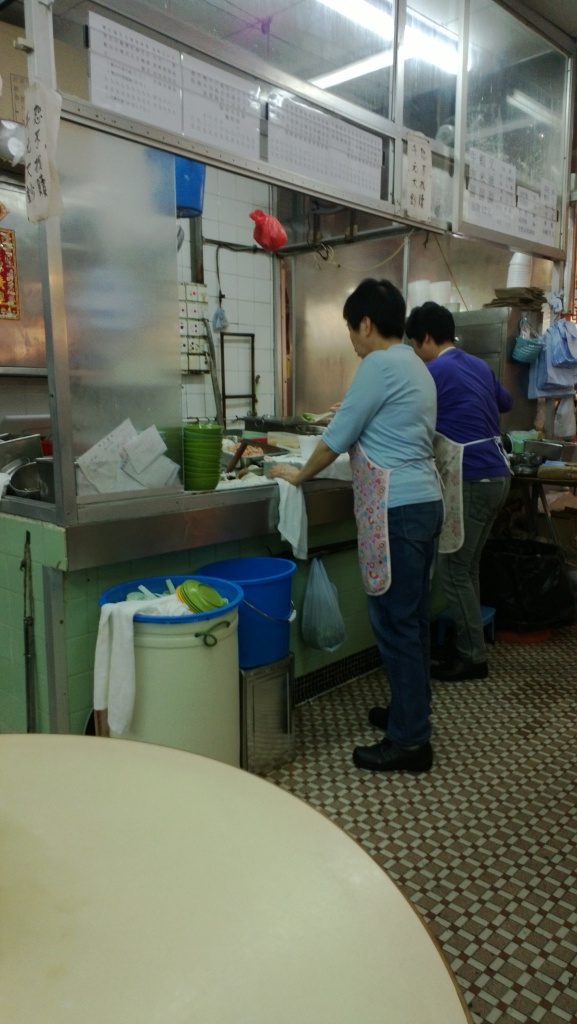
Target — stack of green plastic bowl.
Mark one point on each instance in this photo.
(172, 437)
(202, 446)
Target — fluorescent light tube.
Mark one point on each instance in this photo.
(356, 70)
(439, 48)
(532, 107)
(365, 15)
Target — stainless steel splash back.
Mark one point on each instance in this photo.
(324, 359)
(490, 335)
(22, 341)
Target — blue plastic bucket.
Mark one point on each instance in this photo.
(157, 585)
(265, 614)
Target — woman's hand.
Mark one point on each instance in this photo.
(321, 458)
(289, 473)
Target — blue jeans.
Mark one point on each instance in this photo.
(401, 620)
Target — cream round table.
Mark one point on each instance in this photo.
(146, 885)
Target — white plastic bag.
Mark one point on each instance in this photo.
(322, 625)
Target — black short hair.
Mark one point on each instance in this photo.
(430, 318)
(382, 302)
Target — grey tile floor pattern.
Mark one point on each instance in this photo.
(485, 845)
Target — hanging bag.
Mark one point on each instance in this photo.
(527, 350)
(529, 344)
(268, 231)
(322, 625)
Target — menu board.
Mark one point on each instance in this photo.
(494, 200)
(220, 108)
(134, 75)
(419, 176)
(537, 214)
(314, 144)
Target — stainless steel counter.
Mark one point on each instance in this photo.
(137, 529)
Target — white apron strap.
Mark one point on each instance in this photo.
(449, 461)
(449, 464)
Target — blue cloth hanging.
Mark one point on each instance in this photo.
(563, 334)
(547, 380)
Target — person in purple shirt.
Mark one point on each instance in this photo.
(469, 401)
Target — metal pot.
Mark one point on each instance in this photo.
(25, 481)
(546, 449)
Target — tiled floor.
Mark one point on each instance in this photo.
(485, 845)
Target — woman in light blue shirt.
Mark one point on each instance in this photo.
(386, 422)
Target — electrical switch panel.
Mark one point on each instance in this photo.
(193, 318)
(196, 292)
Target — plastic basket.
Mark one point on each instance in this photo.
(527, 350)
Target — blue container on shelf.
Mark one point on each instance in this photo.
(266, 611)
(190, 177)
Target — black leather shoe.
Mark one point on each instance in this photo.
(379, 718)
(387, 756)
(459, 670)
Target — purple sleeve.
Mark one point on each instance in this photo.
(504, 397)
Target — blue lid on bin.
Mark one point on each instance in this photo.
(157, 585)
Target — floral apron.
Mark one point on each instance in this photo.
(449, 463)
(371, 498)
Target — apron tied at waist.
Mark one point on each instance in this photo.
(449, 464)
(371, 494)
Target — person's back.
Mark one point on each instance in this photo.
(469, 400)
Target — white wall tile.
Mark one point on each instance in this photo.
(210, 228)
(228, 262)
(210, 209)
(263, 315)
(264, 362)
(229, 200)
(263, 268)
(245, 189)
(226, 184)
(228, 212)
(246, 314)
(263, 340)
(231, 310)
(245, 287)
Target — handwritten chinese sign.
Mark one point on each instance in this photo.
(9, 298)
(419, 167)
(42, 121)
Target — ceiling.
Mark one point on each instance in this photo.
(562, 14)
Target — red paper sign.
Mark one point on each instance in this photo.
(9, 298)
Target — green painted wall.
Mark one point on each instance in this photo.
(83, 588)
(46, 548)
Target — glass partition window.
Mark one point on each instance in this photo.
(431, 64)
(516, 97)
(343, 46)
(119, 248)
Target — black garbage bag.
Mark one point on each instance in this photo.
(527, 583)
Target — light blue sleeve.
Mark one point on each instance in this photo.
(360, 405)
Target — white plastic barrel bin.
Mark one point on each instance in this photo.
(187, 674)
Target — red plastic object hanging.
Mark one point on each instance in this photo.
(268, 231)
